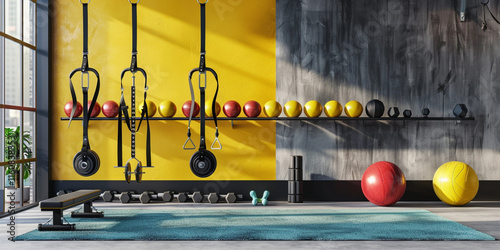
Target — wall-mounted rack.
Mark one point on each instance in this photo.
(293, 119)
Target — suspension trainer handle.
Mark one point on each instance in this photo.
(84, 69)
(202, 69)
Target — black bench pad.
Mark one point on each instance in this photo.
(69, 200)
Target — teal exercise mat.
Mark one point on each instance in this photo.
(263, 224)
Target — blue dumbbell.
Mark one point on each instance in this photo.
(256, 200)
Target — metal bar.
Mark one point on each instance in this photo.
(87, 207)
(56, 217)
(293, 119)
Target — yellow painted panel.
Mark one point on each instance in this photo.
(240, 47)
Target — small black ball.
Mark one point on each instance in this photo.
(375, 108)
(407, 113)
(425, 112)
(460, 111)
(393, 112)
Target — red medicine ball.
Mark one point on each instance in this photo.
(383, 183)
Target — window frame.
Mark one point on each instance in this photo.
(22, 109)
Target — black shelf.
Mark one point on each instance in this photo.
(291, 119)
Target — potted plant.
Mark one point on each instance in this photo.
(12, 152)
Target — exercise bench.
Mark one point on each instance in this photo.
(59, 203)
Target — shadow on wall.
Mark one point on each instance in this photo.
(409, 55)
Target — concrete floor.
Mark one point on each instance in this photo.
(482, 216)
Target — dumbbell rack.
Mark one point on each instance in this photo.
(168, 196)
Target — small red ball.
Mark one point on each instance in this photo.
(252, 109)
(69, 106)
(96, 110)
(186, 108)
(110, 109)
(231, 109)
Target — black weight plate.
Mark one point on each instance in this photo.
(138, 173)
(96, 160)
(203, 163)
(128, 169)
(86, 163)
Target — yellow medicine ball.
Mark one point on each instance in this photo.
(272, 109)
(313, 108)
(455, 183)
(167, 109)
(293, 109)
(208, 109)
(353, 109)
(333, 109)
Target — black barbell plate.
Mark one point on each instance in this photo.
(128, 170)
(138, 173)
(203, 163)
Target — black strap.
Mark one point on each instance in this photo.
(202, 37)
(123, 110)
(85, 69)
(214, 100)
(133, 64)
(202, 69)
(85, 64)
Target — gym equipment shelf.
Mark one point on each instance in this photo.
(293, 119)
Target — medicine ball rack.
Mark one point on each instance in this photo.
(342, 118)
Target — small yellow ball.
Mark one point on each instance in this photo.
(208, 109)
(353, 109)
(313, 108)
(293, 109)
(333, 109)
(167, 109)
(272, 109)
(151, 108)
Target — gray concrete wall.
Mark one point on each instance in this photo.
(410, 54)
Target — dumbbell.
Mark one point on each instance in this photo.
(109, 196)
(256, 200)
(169, 196)
(229, 197)
(146, 197)
(126, 197)
(197, 197)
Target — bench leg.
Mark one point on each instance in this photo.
(57, 224)
(87, 212)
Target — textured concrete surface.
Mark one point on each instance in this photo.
(408, 54)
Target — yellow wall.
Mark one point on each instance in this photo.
(240, 47)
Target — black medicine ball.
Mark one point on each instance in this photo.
(375, 108)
